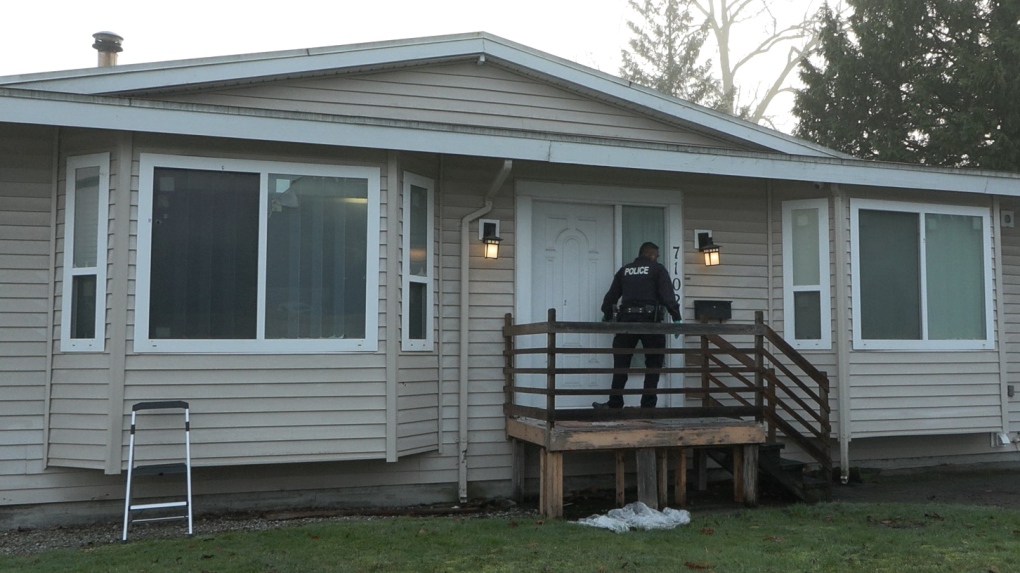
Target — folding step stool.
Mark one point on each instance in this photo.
(158, 469)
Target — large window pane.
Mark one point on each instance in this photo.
(419, 231)
(641, 225)
(83, 306)
(418, 309)
(204, 275)
(890, 275)
(86, 216)
(805, 247)
(807, 315)
(316, 257)
(955, 277)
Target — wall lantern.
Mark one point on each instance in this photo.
(488, 232)
(703, 239)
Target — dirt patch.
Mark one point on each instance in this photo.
(985, 485)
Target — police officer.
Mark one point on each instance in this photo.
(645, 288)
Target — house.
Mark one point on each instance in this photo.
(291, 242)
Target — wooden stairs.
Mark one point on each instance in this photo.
(787, 474)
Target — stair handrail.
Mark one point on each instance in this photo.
(778, 405)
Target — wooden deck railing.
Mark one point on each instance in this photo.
(768, 381)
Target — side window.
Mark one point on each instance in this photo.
(86, 212)
(806, 304)
(418, 262)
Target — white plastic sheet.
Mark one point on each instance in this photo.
(638, 516)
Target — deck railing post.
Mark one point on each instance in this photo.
(771, 404)
(706, 399)
(550, 377)
(509, 376)
(759, 364)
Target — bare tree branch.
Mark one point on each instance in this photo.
(726, 23)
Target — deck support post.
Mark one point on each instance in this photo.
(551, 495)
(647, 478)
(680, 479)
(750, 471)
(662, 468)
(518, 469)
(621, 483)
(738, 474)
(701, 466)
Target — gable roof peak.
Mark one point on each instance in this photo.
(160, 77)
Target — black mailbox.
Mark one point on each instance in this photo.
(712, 310)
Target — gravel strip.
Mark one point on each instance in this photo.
(29, 541)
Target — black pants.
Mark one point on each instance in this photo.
(627, 340)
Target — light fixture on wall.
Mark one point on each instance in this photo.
(703, 239)
(488, 232)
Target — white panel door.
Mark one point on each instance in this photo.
(572, 267)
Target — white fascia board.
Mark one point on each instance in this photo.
(699, 117)
(235, 69)
(790, 168)
(184, 119)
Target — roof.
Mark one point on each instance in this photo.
(108, 98)
(148, 78)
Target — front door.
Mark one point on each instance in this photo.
(572, 265)
(571, 239)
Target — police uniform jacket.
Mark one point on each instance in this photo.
(642, 282)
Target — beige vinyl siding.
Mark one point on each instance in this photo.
(271, 409)
(418, 404)
(902, 393)
(464, 183)
(26, 187)
(79, 409)
(467, 94)
(895, 393)
(1011, 303)
(735, 212)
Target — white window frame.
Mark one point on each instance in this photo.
(97, 343)
(823, 286)
(427, 343)
(921, 209)
(142, 343)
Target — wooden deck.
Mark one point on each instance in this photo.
(651, 440)
(742, 385)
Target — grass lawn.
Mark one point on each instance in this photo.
(892, 538)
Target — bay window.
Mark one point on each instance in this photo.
(922, 277)
(246, 256)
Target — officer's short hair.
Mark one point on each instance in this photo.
(647, 249)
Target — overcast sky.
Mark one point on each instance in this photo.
(48, 35)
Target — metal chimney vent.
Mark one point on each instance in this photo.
(108, 45)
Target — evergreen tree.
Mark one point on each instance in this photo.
(920, 81)
(666, 52)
